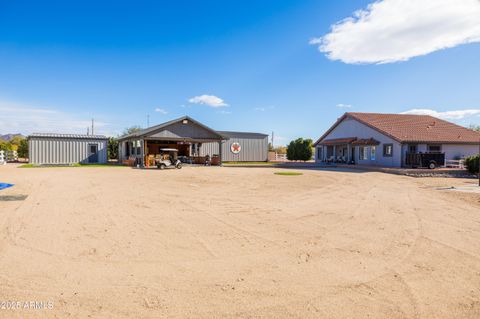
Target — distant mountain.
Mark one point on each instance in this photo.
(8, 137)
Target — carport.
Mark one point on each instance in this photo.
(185, 134)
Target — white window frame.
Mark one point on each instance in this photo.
(363, 153)
(385, 148)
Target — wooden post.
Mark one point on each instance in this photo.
(145, 153)
(142, 152)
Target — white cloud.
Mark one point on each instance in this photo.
(162, 111)
(263, 109)
(225, 112)
(397, 30)
(210, 100)
(26, 119)
(344, 106)
(447, 115)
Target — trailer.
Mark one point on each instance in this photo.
(428, 160)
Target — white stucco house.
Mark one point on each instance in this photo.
(388, 139)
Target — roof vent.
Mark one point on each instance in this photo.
(185, 121)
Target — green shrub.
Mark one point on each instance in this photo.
(471, 163)
(23, 148)
(112, 148)
(300, 150)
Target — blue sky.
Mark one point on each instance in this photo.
(234, 65)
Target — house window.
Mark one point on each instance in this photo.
(434, 148)
(139, 148)
(387, 150)
(363, 153)
(319, 153)
(373, 151)
(412, 148)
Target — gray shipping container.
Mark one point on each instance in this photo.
(47, 148)
(254, 147)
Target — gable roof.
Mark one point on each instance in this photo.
(411, 128)
(148, 130)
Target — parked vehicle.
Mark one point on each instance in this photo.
(168, 159)
(429, 160)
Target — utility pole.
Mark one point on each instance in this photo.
(92, 126)
(88, 130)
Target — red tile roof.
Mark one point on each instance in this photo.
(366, 141)
(412, 128)
(334, 141)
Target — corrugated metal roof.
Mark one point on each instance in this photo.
(151, 129)
(76, 136)
(231, 134)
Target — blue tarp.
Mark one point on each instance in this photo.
(5, 185)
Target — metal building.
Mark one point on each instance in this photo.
(49, 148)
(239, 147)
(192, 139)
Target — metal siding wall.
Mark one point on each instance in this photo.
(64, 151)
(209, 148)
(253, 149)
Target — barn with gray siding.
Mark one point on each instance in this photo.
(58, 149)
(192, 139)
(253, 147)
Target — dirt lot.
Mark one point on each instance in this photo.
(237, 242)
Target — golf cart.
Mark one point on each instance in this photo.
(168, 159)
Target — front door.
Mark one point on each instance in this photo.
(92, 153)
(412, 148)
(352, 160)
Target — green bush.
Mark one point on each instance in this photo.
(471, 163)
(300, 150)
(23, 148)
(112, 148)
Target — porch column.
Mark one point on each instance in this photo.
(145, 154)
(142, 152)
(349, 151)
(334, 152)
(119, 153)
(220, 153)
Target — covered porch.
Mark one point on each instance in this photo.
(342, 150)
(338, 150)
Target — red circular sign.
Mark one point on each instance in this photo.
(235, 148)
